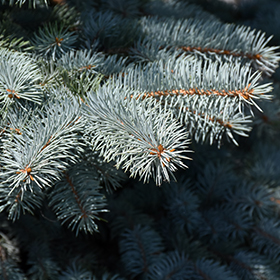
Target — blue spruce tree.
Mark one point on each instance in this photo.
(139, 140)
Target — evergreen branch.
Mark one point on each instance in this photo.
(51, 74)
(40, 262)
(31, 3)
(83, 70)
(53, 40)
(222, 52)
(18, 201)
(266, 238)
(207, 97)
(84, 201)
(124, 8)
(243, 93)
(253, 199)
(14, 123)
(267, 123)
(81, 60)
(41, 153)
(76, 272)
(113, 64)
(265, 164)
(239, 223)
(177, 10)
(107, 174)
(139, 249)
(109, 30)
(65, 14)
(249, 265)
(171, 267)
(135, 135)
(81, 83)
(213, 228)
(71, 112)
(97, 26)
(208, 269)
(182, 206)
(19, 79)
(178, 266)
(13, 43)
(150, 51)
(185, 77)
(214, 38)
(213, 125)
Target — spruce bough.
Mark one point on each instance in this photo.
(137, 141)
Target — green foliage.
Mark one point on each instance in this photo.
(14, 43)
(53, 40)
(86, 201)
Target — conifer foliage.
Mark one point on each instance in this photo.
(138, 141)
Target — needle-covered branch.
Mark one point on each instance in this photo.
(44, 149)
(135, 133)
(215, 40)
(81, 211)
